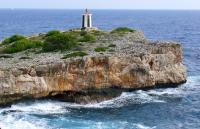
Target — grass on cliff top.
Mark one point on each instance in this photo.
(52, 32)
(12, 39)
(101, 49)
(97, 32)
(87, 38)
(5, 56)
(75, 54)
(111, 45)
(122, 30)
(54, 40)
(61, 41)
(22, 45)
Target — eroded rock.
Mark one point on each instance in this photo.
(134, 64)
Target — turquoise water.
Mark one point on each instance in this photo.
(168, 108)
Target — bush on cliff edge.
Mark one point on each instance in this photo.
(75, 54)
(122, 30)
(101, 49)
(52, 32)
(22, 45)
(61, 41)
(12, 39)
(87, 38)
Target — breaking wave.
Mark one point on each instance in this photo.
(22, 115)
(141, 126)
(149, 96)
(16, 121)
(38, 107)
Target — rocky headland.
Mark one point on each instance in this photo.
(98, 67)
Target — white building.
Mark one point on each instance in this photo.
(86, 20)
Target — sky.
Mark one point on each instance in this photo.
(101, 4)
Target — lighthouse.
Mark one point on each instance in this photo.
(86, 20)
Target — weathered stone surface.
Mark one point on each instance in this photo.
(135, 64)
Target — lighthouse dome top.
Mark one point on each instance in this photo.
(86, 11)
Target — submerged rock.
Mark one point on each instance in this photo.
(133, 63)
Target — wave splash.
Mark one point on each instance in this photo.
(21, 115)
(141, 126)
(37, 107)
(149, 96)
(13, 121)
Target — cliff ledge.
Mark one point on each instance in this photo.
(112, 61)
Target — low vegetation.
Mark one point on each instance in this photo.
(61, 41)
(101, 49)
(56, 40)
(53, 32)
(122, 30)
(22, 45)
(12, 39)
(83, 33)
(87, 38)
(75, 54)
(97, 32)
(5, 56)
(25, 58)
(111, 45)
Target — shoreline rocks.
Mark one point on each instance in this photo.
(134, 64)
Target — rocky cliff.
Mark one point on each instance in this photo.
(132, 63)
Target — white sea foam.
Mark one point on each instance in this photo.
(141, 126)
(38, 107)
(192, 85)
(149, 96)
(15, 117)
(13, 122)
(124, 99)
(19, 116)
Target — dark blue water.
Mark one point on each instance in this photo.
(170, 108)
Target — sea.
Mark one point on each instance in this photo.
(166, 108)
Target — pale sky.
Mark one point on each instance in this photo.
(101, 4)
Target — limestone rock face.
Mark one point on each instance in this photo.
(133, 66)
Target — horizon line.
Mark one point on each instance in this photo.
(95, 9)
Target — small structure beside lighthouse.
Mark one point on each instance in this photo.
(86, 20)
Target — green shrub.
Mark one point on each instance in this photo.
(88, 38)
(75, 54)
(53, 32)
(122, 30)
(97, 32)
(13, 39)
(25, 58)
(73, 33)
(6, 56)
(112, 45)
(100, 49)
(62, 41)
(83, 33)
(22, 45)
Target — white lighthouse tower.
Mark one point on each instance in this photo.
(87, 20)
